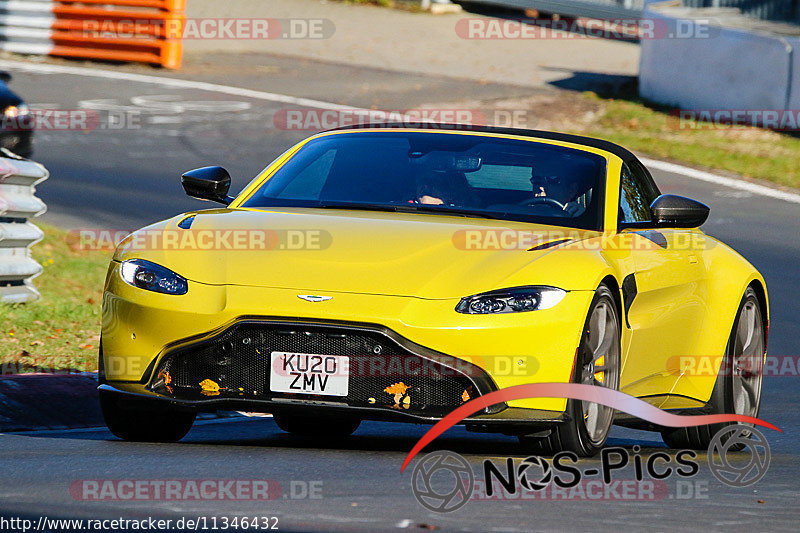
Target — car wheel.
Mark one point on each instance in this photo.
(134, 420)
(317, 426)
(738, 386)
(598, 364)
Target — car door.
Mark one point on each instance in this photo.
(666, 297)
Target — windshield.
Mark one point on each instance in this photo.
(442, 173)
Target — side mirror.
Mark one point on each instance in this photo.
(208, 183)
(678, 212)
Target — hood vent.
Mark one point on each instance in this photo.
(546, 245)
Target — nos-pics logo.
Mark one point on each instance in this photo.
(443, 481)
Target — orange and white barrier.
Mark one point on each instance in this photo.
(144, 31)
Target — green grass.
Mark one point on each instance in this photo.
(405, 5)
(750, 152)
(62, 330)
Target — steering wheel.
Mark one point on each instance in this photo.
(544, 200)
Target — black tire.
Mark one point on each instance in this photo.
(321, 426)
(574, 435)
(722, 397)
(138, 421)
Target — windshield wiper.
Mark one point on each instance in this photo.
(440, 210)
(406, 208)
(353, 205)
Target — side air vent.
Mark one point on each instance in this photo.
(186, 223)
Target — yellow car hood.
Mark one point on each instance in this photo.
(399, 254)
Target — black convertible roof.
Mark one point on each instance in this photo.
(600, 144)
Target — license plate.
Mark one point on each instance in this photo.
(304, 373)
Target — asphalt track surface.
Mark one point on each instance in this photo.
(126, 178)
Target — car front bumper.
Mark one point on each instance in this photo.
(508, 420)
(141, 328)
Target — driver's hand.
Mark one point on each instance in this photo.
(573, 209)
(430, 200)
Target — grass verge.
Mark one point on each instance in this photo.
(747, 151)
(753, 153)
(62, 330)
(404, 5)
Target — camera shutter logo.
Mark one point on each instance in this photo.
(736, 469)
(452, 476)
(527, 476)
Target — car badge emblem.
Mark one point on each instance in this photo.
(314, 297)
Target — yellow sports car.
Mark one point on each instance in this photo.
(395, 273)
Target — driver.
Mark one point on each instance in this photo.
(566, 191)
(442, 188)
(430, 193)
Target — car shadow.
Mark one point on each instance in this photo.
(373, 437)
(390, 437)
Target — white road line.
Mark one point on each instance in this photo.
(44, 68)
(721, 180)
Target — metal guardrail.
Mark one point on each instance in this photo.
(18, 180)
(145, 31)
(777, 10)
(599, 9)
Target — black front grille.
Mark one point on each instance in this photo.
(238, 361)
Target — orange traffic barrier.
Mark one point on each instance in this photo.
(147, 31)
(166, 5)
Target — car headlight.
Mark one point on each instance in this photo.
(14, 111)
(152, 277)
(513, 300)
